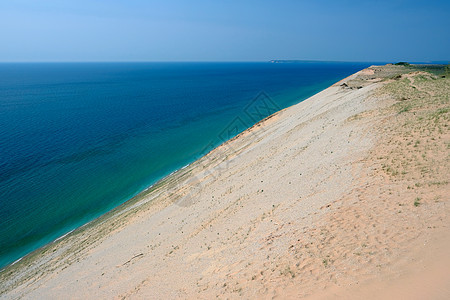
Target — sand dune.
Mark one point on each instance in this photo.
(344, 195)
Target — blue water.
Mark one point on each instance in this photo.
(77, 140)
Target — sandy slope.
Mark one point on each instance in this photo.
(316, 201)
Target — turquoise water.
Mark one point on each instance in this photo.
(77, 140)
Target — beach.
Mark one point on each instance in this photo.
(344, 195)
(88, 137)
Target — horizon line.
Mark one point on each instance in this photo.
(230, 61)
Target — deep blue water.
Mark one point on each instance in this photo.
(77, 140)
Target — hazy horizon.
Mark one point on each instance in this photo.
(217, 61)
(204, 31)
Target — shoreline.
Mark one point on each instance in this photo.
(165, 227)
(104, 179)
(131, 202)
(138, 195)
(143, 193)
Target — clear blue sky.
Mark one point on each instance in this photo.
(224, 30)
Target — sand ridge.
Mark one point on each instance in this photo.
(320, 200)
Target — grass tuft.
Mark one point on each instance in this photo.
(417, 202)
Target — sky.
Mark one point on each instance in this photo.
(224, 30)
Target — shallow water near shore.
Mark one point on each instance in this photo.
(77, 140)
